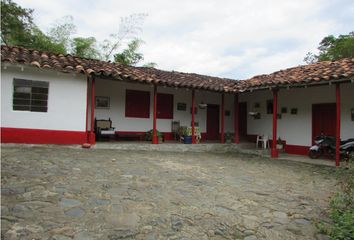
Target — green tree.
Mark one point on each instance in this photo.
(129, 27)
(16, 24)
(85, 47)
(130, 56)
(333, 48)
(61, 32)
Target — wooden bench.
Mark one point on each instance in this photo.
(104, 129)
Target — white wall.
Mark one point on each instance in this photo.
(297, 129)
(66, 101)
(116, 91)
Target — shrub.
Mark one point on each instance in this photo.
(342, 206)
(148, 135)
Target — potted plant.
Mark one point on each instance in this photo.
(280, 144)
(148, 135)
(228, 137)
(187, 135)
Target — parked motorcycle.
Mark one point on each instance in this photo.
(326, 145)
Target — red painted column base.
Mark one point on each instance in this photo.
(92, 138)
(274, 153)
(155, 140)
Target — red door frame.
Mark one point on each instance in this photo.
(207, 120)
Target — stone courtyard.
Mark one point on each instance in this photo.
(62, 193)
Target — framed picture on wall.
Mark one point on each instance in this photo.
(102, 102)
(284, 110)
(181, 106)
(293, 111)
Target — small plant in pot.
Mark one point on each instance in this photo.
(148, 135)
(280, 144)
(187, 136)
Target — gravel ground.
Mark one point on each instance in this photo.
(58, 192)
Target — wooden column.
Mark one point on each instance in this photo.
(155, 139)
(92, 134)
(237, 120)
(222, 137)
(337, 124)
(274, 151)
(193, 117)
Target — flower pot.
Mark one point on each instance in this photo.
(187, 139)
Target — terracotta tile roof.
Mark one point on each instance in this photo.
(308, 74)
(68, 63)
(342, 69)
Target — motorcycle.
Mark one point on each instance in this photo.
(326, 145)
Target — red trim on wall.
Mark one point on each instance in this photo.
(42, 136)
(167, 135)
(296, 149)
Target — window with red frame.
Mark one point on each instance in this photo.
(164, 106)
(137, 104)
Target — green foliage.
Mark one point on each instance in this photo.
(61, 31)
(85, 47)
(128, 28)
(148, 135)
(16, 24)
(150, 65)
(333, 48)
(130, 56)
(17, 28)
(342, 206)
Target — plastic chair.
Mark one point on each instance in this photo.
(264, 140)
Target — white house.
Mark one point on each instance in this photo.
(49, 98)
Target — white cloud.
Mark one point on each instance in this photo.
(227, 38)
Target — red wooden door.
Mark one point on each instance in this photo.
(164, 106)
(323, 119)
(212, 122)
(243, 120)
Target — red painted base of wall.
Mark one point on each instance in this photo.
(41, 136)
(167, 135)
(291, 149)
(295, 149)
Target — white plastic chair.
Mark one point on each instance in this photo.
(264, 140)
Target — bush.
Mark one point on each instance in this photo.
(148, 135)
(342, 206)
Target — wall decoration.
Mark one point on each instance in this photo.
(181, 106)
(256, 105)
(227, 113)
(284, 110)
(352, 113)
(269, 106)
(102, 102)
(293, 111)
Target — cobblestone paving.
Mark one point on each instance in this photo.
(60, 193)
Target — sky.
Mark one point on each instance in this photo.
(225, 38)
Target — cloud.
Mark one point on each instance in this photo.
(228, 38)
